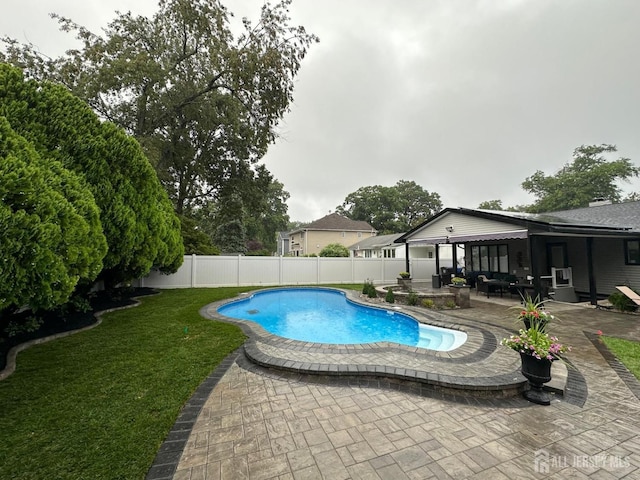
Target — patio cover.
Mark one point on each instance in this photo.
(471, 237)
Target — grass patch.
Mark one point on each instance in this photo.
(626, 351)
(98, 404)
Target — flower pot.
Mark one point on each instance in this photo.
(537, 372)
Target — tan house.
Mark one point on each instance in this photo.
(332, 228)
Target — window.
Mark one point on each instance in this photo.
(632, 252)
(389, 253)
(490, 258)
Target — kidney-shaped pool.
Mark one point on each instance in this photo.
(322, 315)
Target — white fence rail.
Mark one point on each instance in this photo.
(226, 271)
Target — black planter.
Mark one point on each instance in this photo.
(537, 372)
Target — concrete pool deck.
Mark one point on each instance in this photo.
(257, 423)
(476, 368)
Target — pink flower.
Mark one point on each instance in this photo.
(599, 332)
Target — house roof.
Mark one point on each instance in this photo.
(379, 241)
(620, 219)
(616, 214)
(335, 221)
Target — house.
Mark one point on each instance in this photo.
(282, 243)
(332, 228)
(571, 254)
(386, 246)
(380, 246)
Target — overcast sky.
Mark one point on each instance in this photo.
(466, 98)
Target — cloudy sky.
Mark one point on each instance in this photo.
(466, 98)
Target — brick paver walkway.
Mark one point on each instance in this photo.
(260, 425)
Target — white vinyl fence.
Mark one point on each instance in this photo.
(226, 271)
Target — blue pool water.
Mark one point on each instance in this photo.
(327, 316)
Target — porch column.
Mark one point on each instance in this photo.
(593, 292)
(535, 271)
(406, 257)
(454, 257)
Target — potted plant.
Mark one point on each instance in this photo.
(537, 350)
(533, 314)
(404, 280)
(458, 281)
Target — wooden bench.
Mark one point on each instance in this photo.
(630, 294)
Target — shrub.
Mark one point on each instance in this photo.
(30, 324)
(371, 291)
(365, 288)
(450, 304)
(428, 303)
(412, 298)
(621, 302)
(390, 297)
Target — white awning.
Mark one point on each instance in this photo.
(470, 237)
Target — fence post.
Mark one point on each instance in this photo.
(238, 272)
(193, 270)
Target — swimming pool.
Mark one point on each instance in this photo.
(326, 316)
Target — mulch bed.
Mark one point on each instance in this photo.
(55, 322)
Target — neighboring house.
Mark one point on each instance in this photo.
(380, 246)
(282, 243)
(581, 253)
(386, 246)
(332, 228)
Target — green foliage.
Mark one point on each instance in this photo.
(203, 102)
(334, 250)
(621, 302)
(196, 242)
(626, 351)
(371, 291)
(587, 177)
(390, 296)
(412, 298)
(428, 303)
(391, 209)
(450, 304)
(137, 218)
(231, 237)
(51, 234)
(491, 205)
(367, 284)
(31, 324)
(98, 404)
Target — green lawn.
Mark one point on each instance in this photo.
(98, 404)
(626, 351)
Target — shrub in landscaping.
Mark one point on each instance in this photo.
(371, 291)
(428, 303)
(390, 297)
(412, 298)
(621, 302)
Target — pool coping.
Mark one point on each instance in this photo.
(376, 360)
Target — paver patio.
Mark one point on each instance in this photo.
(258, 424)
